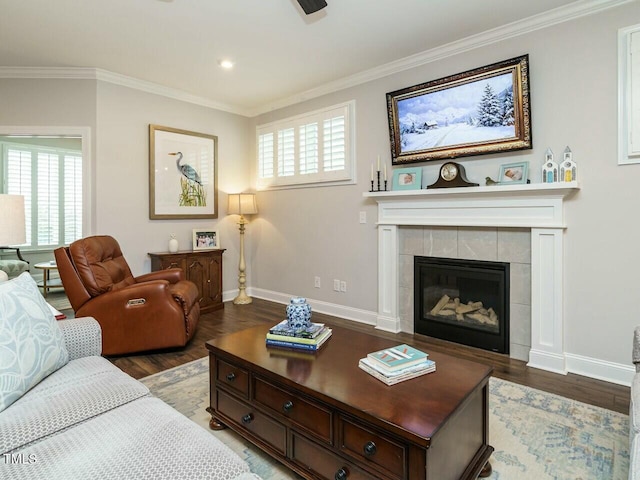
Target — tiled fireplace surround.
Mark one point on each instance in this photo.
(493, 244)
(520, 224)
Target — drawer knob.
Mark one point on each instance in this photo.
(341, 474)
(288, 406)
(231, 377)
(248, 418)
(370, 448)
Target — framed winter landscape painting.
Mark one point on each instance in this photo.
(183, 174)
(485, 110)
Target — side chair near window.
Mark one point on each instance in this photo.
(149, 312)
(13, 266)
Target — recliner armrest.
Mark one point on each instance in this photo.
(172, 275)
(186, 293)
(82, 336)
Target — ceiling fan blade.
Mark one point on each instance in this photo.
(312, 6)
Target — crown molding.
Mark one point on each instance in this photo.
(556, 16)
(547, 19)
(98, 74)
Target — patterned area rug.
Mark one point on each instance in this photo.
(536, 435)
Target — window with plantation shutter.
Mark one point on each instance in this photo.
(315, 148)
(51, 181)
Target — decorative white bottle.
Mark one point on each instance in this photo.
(173, 243)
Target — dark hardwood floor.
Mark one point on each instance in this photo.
(238, 317)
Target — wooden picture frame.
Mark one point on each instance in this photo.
(513, 173)
(407, 179)
(205, 239)
(481, 111)
(183, 174)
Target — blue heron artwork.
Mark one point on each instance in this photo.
(192, 193)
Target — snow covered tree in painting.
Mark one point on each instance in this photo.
(489, 110)
(508, 117)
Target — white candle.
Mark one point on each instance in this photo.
(378, 162)
(372, 171)
(385, 172)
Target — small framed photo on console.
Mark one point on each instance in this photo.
(204, 239)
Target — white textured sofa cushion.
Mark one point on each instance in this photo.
(83, 389)
(31, 343)
(145, 439)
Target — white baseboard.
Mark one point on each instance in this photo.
(568, 363)
(600, 369)
(551, 362)
(348, 313)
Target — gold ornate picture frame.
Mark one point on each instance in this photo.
(183, 174)
(481, 111)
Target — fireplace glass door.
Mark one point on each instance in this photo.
(464, 301)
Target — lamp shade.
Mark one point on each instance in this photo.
(242, 204)
(12, 229)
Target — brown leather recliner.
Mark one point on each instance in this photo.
(153, 311)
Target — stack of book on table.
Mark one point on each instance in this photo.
(308, 339)
(396, 364)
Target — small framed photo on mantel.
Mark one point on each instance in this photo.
(407, 178)
(205, 239)
(512, 173)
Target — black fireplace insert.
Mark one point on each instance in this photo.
(464, 301)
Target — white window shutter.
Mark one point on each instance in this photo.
(265, 155)
(314, 148)
(286, 152)
(308, 148)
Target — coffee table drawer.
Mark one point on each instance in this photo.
(371, 447)
(233, 377)
(308, 415)
(324, 463)
(255, 422)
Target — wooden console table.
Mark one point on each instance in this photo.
(202, 267)
(324, 418)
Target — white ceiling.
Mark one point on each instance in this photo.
(279, 52)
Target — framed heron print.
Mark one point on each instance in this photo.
(183, 174)
(481, 111)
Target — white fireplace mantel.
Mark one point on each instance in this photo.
(535, 206)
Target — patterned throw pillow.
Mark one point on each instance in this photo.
(31, 343)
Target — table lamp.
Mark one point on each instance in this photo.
(12, 225)
(242, 204)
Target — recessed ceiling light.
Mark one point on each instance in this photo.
(226, 64)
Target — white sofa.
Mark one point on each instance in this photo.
(88, 419)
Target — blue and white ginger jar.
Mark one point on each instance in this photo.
(298, 314)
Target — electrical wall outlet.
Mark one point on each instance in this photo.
(336, 285)
(343, 286)
(363, 217)
(316, 282)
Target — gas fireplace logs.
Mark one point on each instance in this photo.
(475, 311)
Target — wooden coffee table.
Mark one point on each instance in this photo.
(323, 417)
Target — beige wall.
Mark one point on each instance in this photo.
(573, 76)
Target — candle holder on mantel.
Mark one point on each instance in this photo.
(378, 189)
